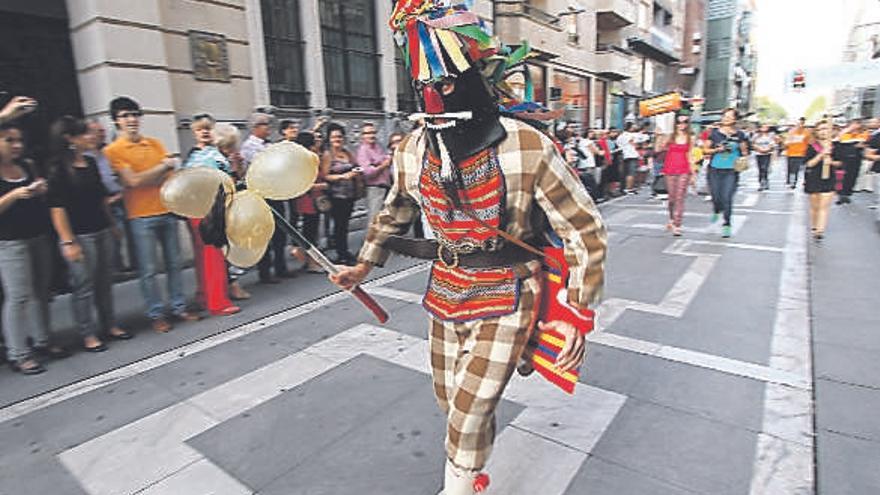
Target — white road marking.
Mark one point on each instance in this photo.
(722, 364)
(661, 209)
(784, 462)
(150, 453)
(401, 295)
(736, 223)
(87, 385)
(749, 199)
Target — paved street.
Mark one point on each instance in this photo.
(740, 366)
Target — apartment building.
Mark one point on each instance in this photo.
(863, 45)
(731, 58)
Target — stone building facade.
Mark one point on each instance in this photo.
(307, 58)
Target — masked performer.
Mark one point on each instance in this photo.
(483, 181)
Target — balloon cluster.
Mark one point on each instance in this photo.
(282, 171)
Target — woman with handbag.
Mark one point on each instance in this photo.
(309, 206)
(339, 171)
(819, 179)
(677, 170)
(726, 145)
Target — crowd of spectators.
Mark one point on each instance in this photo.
(97, 205)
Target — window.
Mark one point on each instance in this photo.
(599, 103)
(574, 97)
(538, 74)
(406, 95)
(351, 61)
(284, 48)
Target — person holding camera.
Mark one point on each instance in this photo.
(338, 168)
(725, 145)
(24, 256)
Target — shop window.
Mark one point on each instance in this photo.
(351, 58)
(284, 53)
(574, 96)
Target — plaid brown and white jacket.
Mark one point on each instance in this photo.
(539, 186)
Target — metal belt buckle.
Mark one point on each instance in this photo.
(454, 253)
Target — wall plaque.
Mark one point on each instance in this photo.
(209, 56)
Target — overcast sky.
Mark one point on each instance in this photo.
(791, 34)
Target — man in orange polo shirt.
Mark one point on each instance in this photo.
(795, 151)
(143, 164)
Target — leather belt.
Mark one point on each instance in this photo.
(430, 249)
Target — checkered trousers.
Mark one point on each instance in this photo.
(471, 364)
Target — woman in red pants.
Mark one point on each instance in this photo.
(210, 263)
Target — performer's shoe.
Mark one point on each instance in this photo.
(463, 482)
(524, 367)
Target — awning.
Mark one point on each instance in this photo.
(646, 48)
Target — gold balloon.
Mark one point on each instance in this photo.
(243, 257)
(249, 221)
(190, 192)
(282, 171)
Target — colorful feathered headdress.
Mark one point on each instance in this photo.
(439, 38)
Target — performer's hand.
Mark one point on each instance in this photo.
(349, 276)
(572, 354)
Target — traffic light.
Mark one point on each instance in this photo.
(798, 80)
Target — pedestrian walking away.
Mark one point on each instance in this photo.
(851, 146)
(483, 296)
(725, 144)
(795, 150)
(765, 144)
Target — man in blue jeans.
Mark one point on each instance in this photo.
(143, 164)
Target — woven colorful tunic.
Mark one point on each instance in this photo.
(463, 294)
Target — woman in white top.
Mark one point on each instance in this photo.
(764, 145)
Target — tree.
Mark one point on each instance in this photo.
(816, 108)
(768, 110)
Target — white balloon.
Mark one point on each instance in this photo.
(244, 257)
(190, 192)
(249, 221)
(283, 170)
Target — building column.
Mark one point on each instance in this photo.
(314, 63)
(387, 48)
(259, 71)
(119, 50)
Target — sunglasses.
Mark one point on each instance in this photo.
(200, 116)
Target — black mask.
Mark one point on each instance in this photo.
(483, 130)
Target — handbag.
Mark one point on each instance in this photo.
(322, 202)
(659, 186)
(741, 164)
(360, 187)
